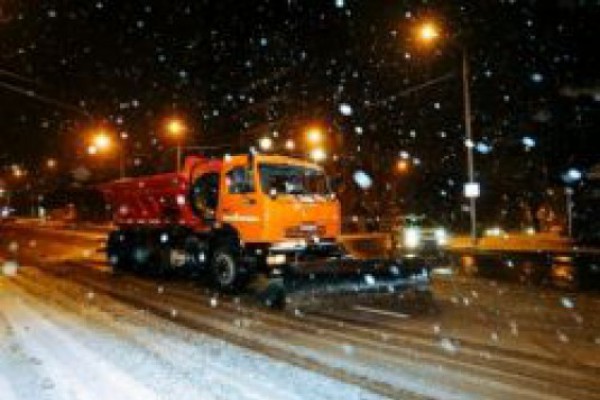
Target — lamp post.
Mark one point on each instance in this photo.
(571, 178)
(427, 33)
(469, 145)
(176, 129)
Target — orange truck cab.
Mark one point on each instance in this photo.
(277, 200)
(233, 217)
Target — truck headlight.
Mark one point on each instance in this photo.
(441, 237)
(412, 238)
(276, 259)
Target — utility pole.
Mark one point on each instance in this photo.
(469, 145)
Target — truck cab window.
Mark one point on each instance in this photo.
(205, 195)
(240, 180)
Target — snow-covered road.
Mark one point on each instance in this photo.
(71, 330)
(50, 352)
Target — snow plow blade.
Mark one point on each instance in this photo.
(311, 276)
(352, 275)
(318, 281)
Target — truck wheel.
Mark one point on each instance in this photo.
(196, 252)
(225, 270)
(140, 257)
(160, 263)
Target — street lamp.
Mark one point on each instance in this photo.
(51, 163)
(18, 173)
(290, 144)
(102, 142)
(402, 166)
(265, 143)
(314, 135)
(427, 33)
(176, 128)
(318, 154)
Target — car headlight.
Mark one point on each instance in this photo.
(276, 259)
(412, 237)
(441, 237)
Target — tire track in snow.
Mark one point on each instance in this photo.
(267, 378)
(75, 371)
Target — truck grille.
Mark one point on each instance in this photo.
(305, 231)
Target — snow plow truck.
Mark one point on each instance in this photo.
(260, 222)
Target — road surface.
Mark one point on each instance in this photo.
(70, 329)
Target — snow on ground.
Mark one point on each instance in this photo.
(51, 352)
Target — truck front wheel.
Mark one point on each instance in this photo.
(225, 270)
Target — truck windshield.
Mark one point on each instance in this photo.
(292, 179)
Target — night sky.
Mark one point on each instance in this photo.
(241, 69)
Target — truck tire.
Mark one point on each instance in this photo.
(160, 262)
(196, 254)
(225, 270)
(140, 252)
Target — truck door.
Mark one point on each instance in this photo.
(205, 196)
(239, 202)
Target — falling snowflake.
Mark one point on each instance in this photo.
(362, 179)
(528, 142)
(369, 280)
(567, 302)
(345, 109)
(536, 77)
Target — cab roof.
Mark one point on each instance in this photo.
(278, 159)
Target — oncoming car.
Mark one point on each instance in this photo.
(419, 236)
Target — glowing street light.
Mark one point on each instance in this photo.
(318, 154)
(402, 166)
(290, 144)
(51, 163)
(18, 173)
(102, 141)
(428, 32)
(176, 128)
(314, 135)
(265, 143)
